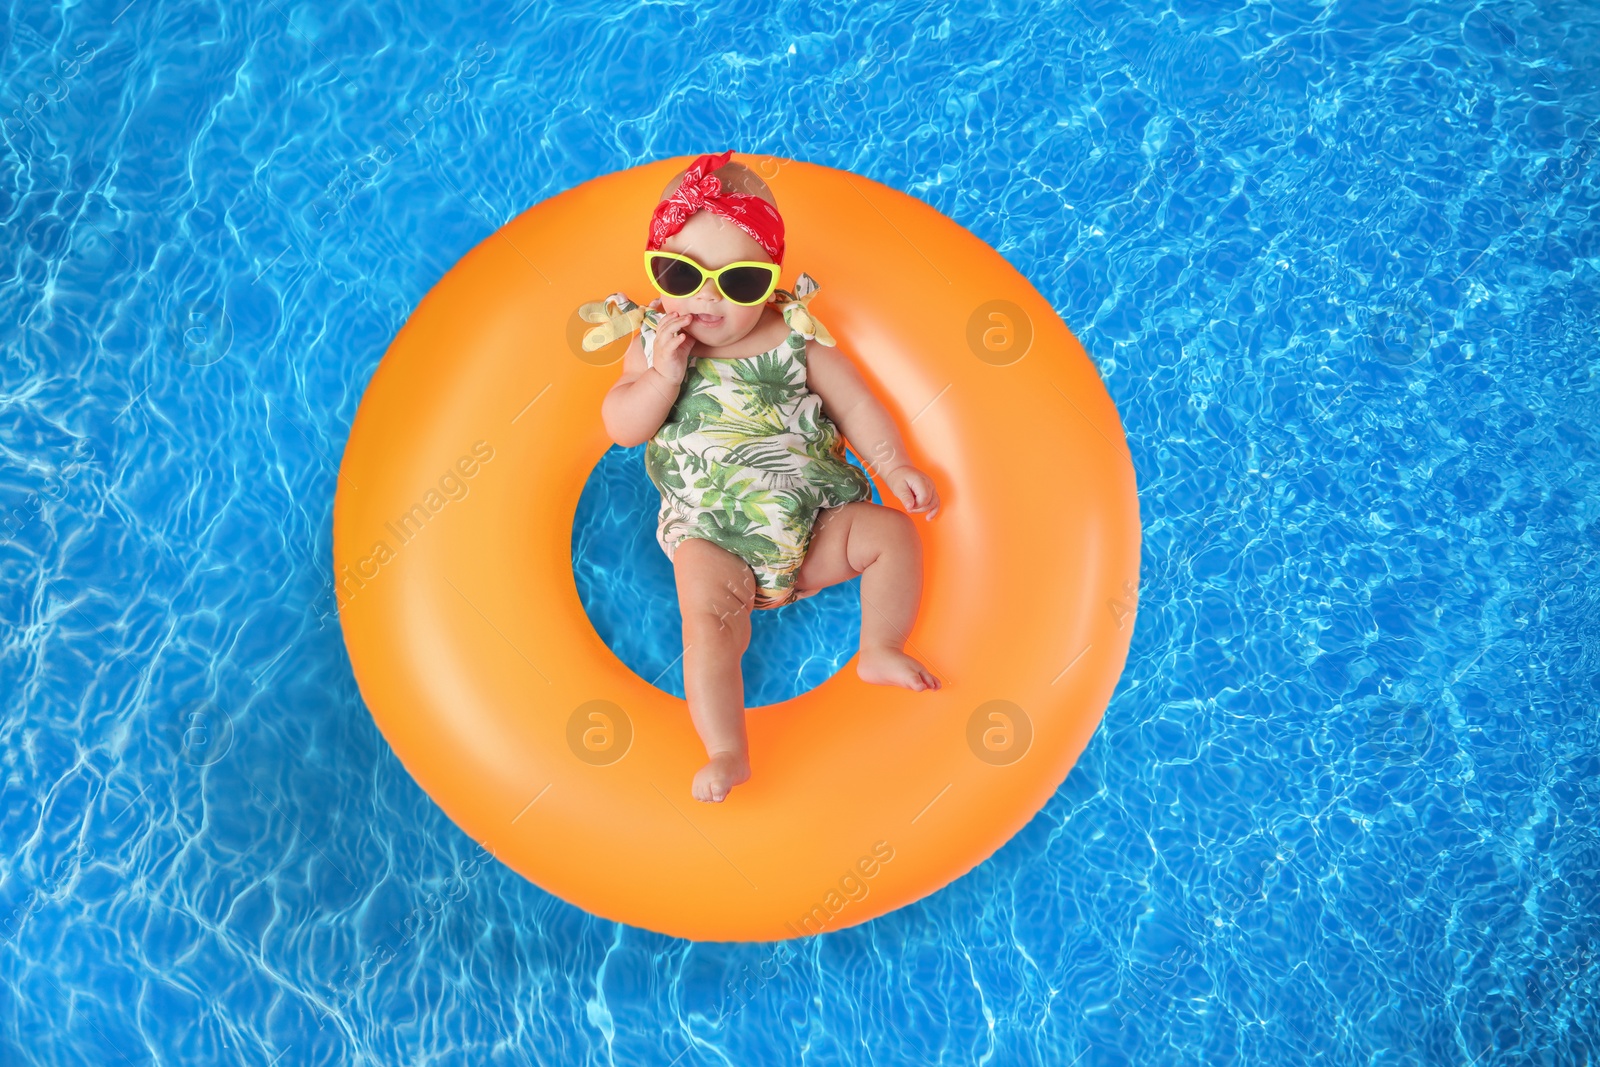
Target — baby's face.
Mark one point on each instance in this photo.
(713, 241)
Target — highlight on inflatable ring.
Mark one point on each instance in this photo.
(453, 564)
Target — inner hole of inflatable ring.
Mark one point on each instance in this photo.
(626, 586)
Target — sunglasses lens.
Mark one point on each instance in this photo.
(746, 285)
(676, 277)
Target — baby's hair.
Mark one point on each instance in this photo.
(735, 178)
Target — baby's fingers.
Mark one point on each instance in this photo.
(906, 492)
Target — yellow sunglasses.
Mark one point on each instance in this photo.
(746, 282)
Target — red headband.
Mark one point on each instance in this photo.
(700, 190)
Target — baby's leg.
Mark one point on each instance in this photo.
(715, 590)
(882, 546)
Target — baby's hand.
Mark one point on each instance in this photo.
(914, 489)
(671, 350)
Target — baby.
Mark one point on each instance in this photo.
(742, 407)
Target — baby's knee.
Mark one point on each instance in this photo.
(715, 607)
(891, 528)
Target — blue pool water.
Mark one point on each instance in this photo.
(1337, 264)
(623, 576)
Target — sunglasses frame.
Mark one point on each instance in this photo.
(714, 275)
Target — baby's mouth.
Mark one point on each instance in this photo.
(708, 320)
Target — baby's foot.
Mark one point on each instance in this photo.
(726, 770)
(890, 666)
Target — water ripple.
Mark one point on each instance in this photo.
(1337, 266)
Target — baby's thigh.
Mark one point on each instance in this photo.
(712, 582)
(847, 539)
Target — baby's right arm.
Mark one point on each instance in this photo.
(637, 405)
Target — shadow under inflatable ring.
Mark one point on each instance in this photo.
(452, 554)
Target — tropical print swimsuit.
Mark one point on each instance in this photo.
(747, 458)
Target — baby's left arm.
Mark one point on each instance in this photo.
(867, 425)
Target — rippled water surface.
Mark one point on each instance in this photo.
(1337, 264)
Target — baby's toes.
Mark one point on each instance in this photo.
(714, 781)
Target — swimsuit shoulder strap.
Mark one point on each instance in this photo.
(647, 334)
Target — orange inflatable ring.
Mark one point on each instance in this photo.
(453, 560)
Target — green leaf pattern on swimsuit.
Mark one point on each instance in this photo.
(747, 457)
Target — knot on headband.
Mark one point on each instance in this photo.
(701, 191)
